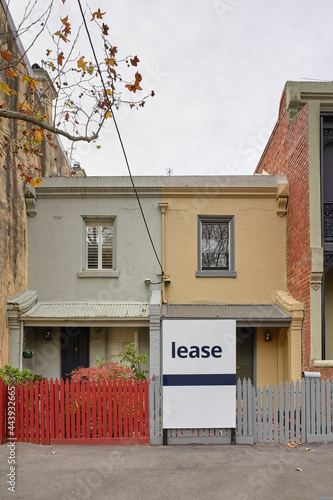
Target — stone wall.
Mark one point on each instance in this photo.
(13, 216)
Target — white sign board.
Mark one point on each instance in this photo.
(199, 373)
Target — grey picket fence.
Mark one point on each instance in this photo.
(295, 412)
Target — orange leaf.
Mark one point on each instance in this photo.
(31, 82)
(67, 117)
(133, 88)
(28, 107)
(98, 15)
(109, 62)
(135, 61)
(6, 55)
(10, 73)
(113, 51)
(67, 28)
(61, 36)
(48, 52)
(82, 64)
(61, 57)
(105, 29)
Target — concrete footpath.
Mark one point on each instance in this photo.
(171, 472)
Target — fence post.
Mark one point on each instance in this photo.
(155, 426)
(151, 410)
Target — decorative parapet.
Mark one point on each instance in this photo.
(30, 200)
(298, 94)
(291, 306)
(282, 199)
(294, 104)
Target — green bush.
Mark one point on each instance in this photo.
(133, 359)
(11, 375)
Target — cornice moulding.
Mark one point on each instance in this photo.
(68, 192)
(218, 192)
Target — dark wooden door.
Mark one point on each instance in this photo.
(245, 352)
(75, 349)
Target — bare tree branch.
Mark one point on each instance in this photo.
(16, 115)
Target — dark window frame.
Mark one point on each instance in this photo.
(217, 272)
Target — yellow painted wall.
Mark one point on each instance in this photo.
(267, 357)
(259, 249)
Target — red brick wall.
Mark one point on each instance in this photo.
(287, 153)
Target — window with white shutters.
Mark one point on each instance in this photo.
(99, 239)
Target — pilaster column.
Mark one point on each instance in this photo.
(296, 310)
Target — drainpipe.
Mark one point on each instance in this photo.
(21, 344)
(163, 206)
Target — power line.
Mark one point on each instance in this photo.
(120, 139)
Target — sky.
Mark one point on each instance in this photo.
(218, 69)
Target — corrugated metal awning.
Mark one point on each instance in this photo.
(87, 310)
(247, 314)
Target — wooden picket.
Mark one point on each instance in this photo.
(118, 413)
(285, 413)
(81, 413)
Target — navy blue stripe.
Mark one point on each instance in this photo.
(202, 379)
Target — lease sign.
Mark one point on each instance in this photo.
(199, 373)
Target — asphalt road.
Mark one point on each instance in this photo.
(187, 472)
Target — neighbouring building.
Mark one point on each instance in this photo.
(301, 147)
(15, 196)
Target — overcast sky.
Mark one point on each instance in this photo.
(218, 68)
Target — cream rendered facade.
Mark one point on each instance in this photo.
(257, 205)
(69, 300)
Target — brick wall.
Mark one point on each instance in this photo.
(287, 153)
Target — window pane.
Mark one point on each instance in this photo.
(107, 247)
(215, 245)
(92, 247)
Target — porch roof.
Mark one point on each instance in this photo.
(87, 310)
(244, 314)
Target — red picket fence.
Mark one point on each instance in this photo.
(79, 412)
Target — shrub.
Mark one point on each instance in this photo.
(106, 370)
(11, 375)
(133, 359)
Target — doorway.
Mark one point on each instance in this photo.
(74, 349)
(245, 337)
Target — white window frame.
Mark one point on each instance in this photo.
(217, 273)
(99, 221)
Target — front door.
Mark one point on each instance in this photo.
(245, 353)
(75, 349)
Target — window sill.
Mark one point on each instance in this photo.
(323, 363)
(98, 274)
(216, 274)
